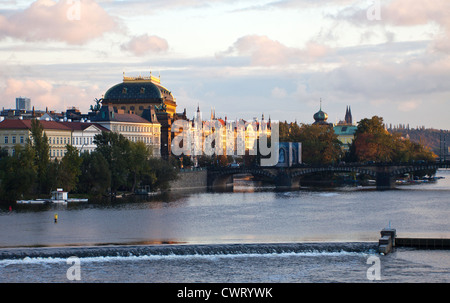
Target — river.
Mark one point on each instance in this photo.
(249, 235)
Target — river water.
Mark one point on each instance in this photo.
(249, 235)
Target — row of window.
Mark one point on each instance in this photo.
(125, 90)
(14, 140)
(77, 140)
(140, 129)
(51, 140)
(82, 141)
(61, 152)
(147, 140)
(59, 140)
(57, 152)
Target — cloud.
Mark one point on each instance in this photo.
(410, 105)
(279, 93)
(71, 21)
(264, 51)
(45, 94)
(404, 13)
(145, 44)
(145, 7)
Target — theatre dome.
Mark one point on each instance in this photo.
(138, 90)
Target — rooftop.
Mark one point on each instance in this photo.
(107, 113)
(138, 89)
(26, 124)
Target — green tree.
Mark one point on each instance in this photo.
(18, 173)
(163, 173)
(138, 164)
(320, 144)
(69, 169)
(115, 148)
(95, 176)
(40, 146)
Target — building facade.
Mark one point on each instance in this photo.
(23, 103)
(345, 130)
(18, 131)
(83, 135)
(133, 127)
(141, 95)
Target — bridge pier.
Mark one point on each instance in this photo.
(223, 183)
(385, 181)
(284, 181)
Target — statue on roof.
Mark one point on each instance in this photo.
(97, 105)
(161, 108)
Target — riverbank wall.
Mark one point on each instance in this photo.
(190, 180)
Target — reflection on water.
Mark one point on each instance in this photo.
(249, 213)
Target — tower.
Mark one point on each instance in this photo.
(348, 116)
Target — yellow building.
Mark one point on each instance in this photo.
(345, 130)
(13, 132)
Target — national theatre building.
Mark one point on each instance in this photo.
(147, 98)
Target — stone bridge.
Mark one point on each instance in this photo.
(385, 174)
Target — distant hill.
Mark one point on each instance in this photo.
(428, 137)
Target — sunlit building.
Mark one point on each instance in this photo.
(133, 127)
(17, 132)
(139, 96)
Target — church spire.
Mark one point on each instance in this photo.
(348, 115)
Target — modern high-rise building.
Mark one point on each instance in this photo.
(23, 103)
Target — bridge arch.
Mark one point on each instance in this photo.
(410, 169)
(313, 170)
(219, 178)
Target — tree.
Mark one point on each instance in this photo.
(95, 176)
(320, 145)
(69, 169)
(138, 162)
(18, 173)
(374, 126)
(115, 148)
(163, 172)
(40, 146)
(374, 143)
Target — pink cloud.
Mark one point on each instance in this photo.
(407, 13)
(145, 44)
(266, 52)
(404, 12)
(44, 94)
(71, 21)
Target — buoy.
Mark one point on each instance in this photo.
(56, 218)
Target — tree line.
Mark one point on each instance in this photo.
(117, 164)
(372, 142)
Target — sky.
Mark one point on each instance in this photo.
(389, 58)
